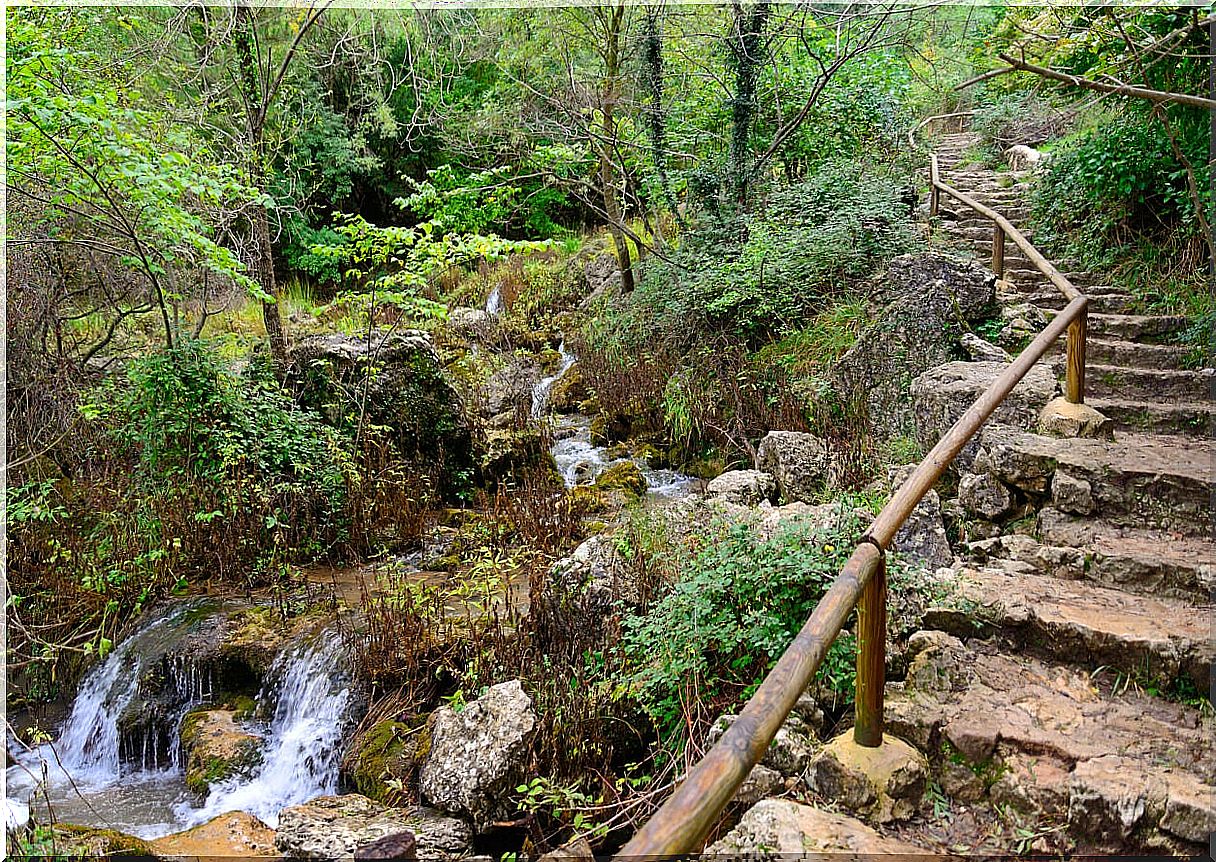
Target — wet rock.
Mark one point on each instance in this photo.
(510, 452)
(626, 476)
(883, 783)
(941, 395)
(477, 755)
(984, 495)
(235, 834)
(392, 379)
(388, 751)
(929, 298)
(783, 829)
(215, 746)
(335, 827)
(570, 391)
(799, 462)
(91, 842)
(743, 487)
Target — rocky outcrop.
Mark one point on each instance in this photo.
(799, 462)
(944, 393)
(393, 380)
(336, 827)
(507, 392)
(883, 783)
(927, 302)
(215, 747)
(235, 834)
(783, 829)
(477, 755)
(626, 477)
(743, 487)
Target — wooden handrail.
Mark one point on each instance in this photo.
(682, 824)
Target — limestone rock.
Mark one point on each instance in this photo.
(93, 842)
(760, 783)
(983, 351)
(790, 752)
(477, 754)
(922, 537)
(578, 850)
(743, 487)
(625, 476)
(1023, 321)
(216, 747)
(235, 834)
(984, 495)
(799, 462)
(1071, 495)
(929, 298)
(1020, 157)
(941, 395)
(509, 389)
(1062, 418)
(783, 829)
(334, 827)
(883, 783)
(470, 322)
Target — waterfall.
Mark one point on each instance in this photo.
(494, 301)
(540, 393)
(303, 747)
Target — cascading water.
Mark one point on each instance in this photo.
(540, 393)
(494, 301)
(303, 745)
(87, 778)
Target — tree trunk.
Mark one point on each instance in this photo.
(612, 202)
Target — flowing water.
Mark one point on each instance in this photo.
(540, 392)
(494, 301)
(84, 778)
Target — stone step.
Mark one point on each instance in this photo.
(1131, 354)
(1080, 622)
(1116, 381)
(1139, 480)
(1049, 298)
(1120, 768)
(1137, 327)
(1149, 562)
(1194, 418)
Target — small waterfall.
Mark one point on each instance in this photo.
(540, 394)
(494, 301)
(303, 746)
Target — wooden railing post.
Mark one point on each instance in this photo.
(871, 658)
(998, 250)
(934, 194)
(1074, 380)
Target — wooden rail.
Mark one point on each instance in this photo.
(681, 826)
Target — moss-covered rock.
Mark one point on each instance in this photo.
(66, 841)
(512, 452)
(215, 747)
(569, 391)
(626, 476)
(606, 430)
(390, 751)
(652, 455)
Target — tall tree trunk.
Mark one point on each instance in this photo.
(262, 255)
(607, 145)
(746, 52)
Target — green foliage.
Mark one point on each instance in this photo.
(733, 611)
(187, 416)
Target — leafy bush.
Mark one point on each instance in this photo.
(737, 606)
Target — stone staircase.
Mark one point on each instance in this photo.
(1076, 649)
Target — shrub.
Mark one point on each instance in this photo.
(718, 630)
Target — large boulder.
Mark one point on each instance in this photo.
(392, 379)
(336, 827)
(942, 394)
(477, 755)
(743, 487)
(235, 834)
(508, 391)
(927, 302)
(784, 829)
(799, 462)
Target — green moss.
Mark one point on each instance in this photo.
(391, 751)
(626, 476)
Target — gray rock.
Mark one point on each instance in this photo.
(929, 298)
(1022, 321)
(1069, 494)
(922, 537)
(783, 829)
(941, 395)
(761, 782)
(477, 754)
(509, 389)
(334, 827)
(799, 462)
(983, 494)
(743, 487)
(791, 750)
(470, 322)
(982, 351)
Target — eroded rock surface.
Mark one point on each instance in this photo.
(783, 829)
(334, 827)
